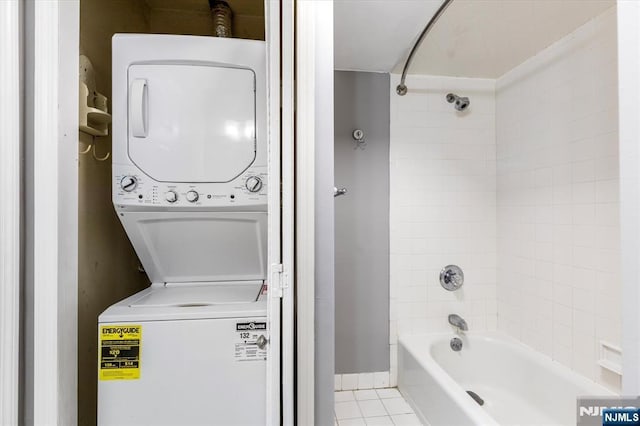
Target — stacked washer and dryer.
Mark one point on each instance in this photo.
(189, 186)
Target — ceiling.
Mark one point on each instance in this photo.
(372, 35)
(473, 38)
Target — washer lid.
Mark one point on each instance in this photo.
(197, 295)
(191, 122)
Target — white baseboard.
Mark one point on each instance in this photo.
(359, 381)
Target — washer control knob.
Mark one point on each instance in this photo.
(192, 196)
(253, 184)
(171, 196)
(128, 183)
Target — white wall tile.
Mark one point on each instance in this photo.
(443, 206)
(583, 239)
(381, 379)
(365, 381)
(349, 381)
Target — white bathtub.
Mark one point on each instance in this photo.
(519, 385)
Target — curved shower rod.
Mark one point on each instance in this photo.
(401, 89)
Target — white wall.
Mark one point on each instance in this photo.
(442, 206)
(558, 204)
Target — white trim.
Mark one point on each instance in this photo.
(305, 211)
(272, 8)
(45, 215)
(288, 212)
(10, 158)
(629, 128)
(55, 205)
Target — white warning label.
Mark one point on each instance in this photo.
(250, 336)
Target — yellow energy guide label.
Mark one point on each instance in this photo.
(119, 352)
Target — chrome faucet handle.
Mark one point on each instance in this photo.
(451, 277)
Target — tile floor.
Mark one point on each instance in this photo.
(373, 407)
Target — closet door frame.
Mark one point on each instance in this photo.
(52, 37)
(10, 208)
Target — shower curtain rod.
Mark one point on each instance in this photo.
(401, 89)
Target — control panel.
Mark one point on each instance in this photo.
(132, 188)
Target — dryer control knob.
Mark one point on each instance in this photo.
(128, 183)
(171, 196)
(192, 196)
(253, 184)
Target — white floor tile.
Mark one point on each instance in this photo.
(352, 422)
(343, 396)
(406, 420)
(388, 393)
(347, 410)
(372, 408)
(363, 395)
(378, 421)
(396, 406)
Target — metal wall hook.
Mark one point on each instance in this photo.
(358, 138)
(86, 151)
(338, 192)
(93, 152)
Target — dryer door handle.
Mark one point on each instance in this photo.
(138, 108)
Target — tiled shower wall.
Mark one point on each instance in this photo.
(558, 226)
(539, 242)
(442, 206)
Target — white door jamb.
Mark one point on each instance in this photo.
(55, 206)
(10, 209)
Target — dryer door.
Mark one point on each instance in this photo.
(191, 123)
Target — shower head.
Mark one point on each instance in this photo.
(461, 103)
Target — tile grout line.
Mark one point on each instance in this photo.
(378, 398)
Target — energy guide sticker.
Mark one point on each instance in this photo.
(246, 345)
(119, 352)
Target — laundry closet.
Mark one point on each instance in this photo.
(181, 218)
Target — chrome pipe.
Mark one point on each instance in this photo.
(401, 89)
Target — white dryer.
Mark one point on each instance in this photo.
(189, 186)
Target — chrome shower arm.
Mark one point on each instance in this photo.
(401, 89)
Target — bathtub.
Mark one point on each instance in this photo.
(519, 386)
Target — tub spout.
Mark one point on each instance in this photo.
(457, 321)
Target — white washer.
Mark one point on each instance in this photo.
(189, 186)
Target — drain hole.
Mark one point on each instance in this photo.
(476, 397)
